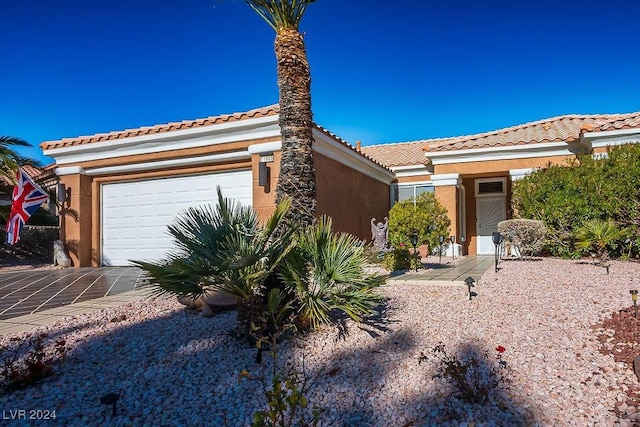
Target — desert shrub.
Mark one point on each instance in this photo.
(599, 236)
(527, 235)
(25, 361)
(565, 197)
(427, 217)
(397, 259)
(227, 249)
(472, 375)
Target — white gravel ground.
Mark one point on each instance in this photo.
(174, 368)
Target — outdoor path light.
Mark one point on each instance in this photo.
(470, 284)
(414, 243)
(441, 240)
(497, 239)
(453, 251)
(634, 298)
(110, 399)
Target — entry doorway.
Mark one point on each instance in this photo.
(491, 208)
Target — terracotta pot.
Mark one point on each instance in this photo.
(423, 251)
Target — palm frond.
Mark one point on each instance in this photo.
(326, 272)
(280, 14)
(10, 140)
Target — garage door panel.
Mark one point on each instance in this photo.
(135, 215)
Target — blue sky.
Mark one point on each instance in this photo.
(381, 71)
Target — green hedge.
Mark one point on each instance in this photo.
(564, 198)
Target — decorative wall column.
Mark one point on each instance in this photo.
(76, 216)
(446, 191)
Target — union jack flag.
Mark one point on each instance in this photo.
(27, 198)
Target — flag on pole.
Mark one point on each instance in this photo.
(27, 198)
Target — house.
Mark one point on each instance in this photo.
(472, 175)
(125, 187)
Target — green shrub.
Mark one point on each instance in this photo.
(397, 259)
(599, 236)
(565, 197)
(427, 217)
(527, 235)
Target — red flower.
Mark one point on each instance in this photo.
(500, 349)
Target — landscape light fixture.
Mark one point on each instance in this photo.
(497, 239)
(110, 399)
(470, 284)
(452, 239)
(441, 240)
(414, 243)
(634, 298)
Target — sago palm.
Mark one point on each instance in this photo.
(221, 249)
(297, 174)
(325, 272)
(599, 236)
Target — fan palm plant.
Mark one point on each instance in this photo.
(599, 236)
(325, 272)
(222, 249)
(297, 174)
(9, 159)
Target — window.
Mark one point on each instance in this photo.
(490, 187)
(406, 192)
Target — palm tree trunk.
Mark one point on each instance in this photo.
(297, 174)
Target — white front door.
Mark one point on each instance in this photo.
(489, 212)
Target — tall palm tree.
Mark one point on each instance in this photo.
(10, 160)
(297, 174)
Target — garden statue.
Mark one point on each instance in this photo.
(59, 256)
(380, 234)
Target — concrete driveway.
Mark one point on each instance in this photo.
(32, 291)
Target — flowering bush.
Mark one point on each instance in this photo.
(473, 376)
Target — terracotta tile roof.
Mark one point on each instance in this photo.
(398, 154)
(351, 147)
(168, 127)
(36, 173)
(269, 110)
(557, 129)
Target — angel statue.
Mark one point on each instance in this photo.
(380, 233)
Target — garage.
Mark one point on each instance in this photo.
(135, 214)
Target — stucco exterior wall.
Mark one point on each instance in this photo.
(351, 198)
(76, 219)
(499, 166)
(264, 198)
(448, 196)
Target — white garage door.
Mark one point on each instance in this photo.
(135, 215)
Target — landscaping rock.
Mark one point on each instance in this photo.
(190, 302)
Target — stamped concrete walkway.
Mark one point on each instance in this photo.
(31, 298)
(450, 272)
(35, 298)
